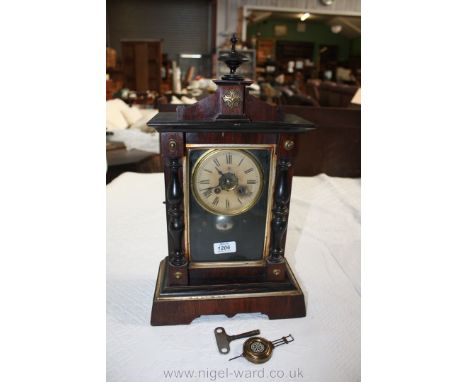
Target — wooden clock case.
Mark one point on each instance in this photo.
(184, 291)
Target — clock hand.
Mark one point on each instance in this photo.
(219, 171)
(218, 185)
(207, 188)
(243, 190)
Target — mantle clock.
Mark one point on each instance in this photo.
(228, 172)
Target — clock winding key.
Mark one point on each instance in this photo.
(259, 350)
(222, 338)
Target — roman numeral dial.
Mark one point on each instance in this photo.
(227, 181)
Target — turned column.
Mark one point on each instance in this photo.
(279, 220)
(175, 214)
(276, 264)
(172, 145)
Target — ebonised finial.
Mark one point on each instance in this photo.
(233, 42)
(233, 60)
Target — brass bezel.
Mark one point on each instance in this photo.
(266, 241)
(206, 156)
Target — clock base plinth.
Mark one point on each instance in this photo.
(176, 305)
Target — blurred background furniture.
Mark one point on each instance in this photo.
(307, 63)
(141, 64)
(130, 144)
(331, 94)
(335, 147)
(120, 160)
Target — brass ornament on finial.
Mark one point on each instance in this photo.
(232, 99)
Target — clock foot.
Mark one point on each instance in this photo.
(182, 304)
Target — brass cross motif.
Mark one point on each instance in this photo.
(232, 99)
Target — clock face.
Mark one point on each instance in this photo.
(227, 181)
(228, 202)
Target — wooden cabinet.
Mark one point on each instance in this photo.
(293, 51)
(266, 48)
(141, 64)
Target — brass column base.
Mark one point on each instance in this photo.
(276, 271)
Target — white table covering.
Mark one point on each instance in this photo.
(323, 248)
(138, 135)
